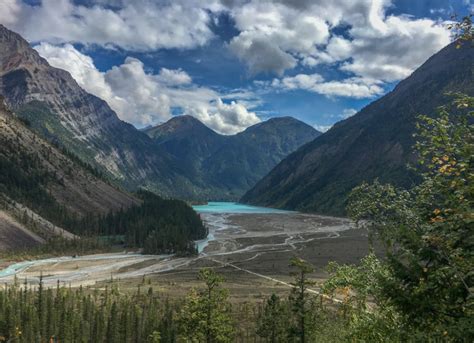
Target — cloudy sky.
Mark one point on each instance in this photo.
(233, 63)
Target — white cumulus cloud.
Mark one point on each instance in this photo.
(352, 87)
(357, 37)
(277, 35)
(143, 98)
(140, 25)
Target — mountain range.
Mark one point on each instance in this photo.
(58, 109)
(376, 143)
(307, 170)
(224, 167)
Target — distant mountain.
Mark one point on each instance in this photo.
(375, 143)
(186, 138)
(224, 167)
(60, 110)
(185, 159)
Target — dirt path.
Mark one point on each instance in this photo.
(312, 291)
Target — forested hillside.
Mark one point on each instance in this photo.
(225, 167)
(376, 143)
(72, 195)
(48, 181)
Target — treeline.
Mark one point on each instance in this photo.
(58, 246)
(63, 314)
(157, 225)
(79, 315)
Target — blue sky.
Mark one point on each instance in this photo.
(232, 63)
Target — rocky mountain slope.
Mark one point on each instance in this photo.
(224, 167)
(375, 143)
(60, 110)
(14, 235)
(41, 184)
(185, 159)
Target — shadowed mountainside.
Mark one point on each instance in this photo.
(375, 143)
(224, 167)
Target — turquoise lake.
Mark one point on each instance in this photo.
(234, 207)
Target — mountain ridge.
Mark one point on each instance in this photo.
(59, 110)
(227, 165)
(374, 143)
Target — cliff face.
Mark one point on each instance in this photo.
(60, 110)
(26, 156)
(182, 158)
(375, 143)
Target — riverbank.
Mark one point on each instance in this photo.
(250, 249)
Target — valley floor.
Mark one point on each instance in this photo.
(252, 251)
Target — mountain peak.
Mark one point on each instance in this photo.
(180, 126)
(185, 120)
(16, 52)
(280, 124)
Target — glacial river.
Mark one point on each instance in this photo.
(234, 207)
(236, 232)
(214, 212)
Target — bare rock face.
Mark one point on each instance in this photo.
(375, 143)
(182, 158)
(62, 111)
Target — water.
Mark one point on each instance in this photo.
(15, 268)
(234, 207)
(214, 214)
(218, 223)
(21, 266)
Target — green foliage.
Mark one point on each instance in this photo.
(158, 225)
(463, 30)
(273, 321)
(205, 316)
(425, 283)
(79, 315)
(57, 246)
(304, 316)
(299, 300)
(370, 317)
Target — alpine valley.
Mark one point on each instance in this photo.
(165, 177)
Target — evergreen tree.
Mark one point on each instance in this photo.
(299, 298)
(424, 286)
(205, 316)
(273, 321)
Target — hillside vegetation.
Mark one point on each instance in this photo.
(225, 167)
(41, 183)
(376, 143)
